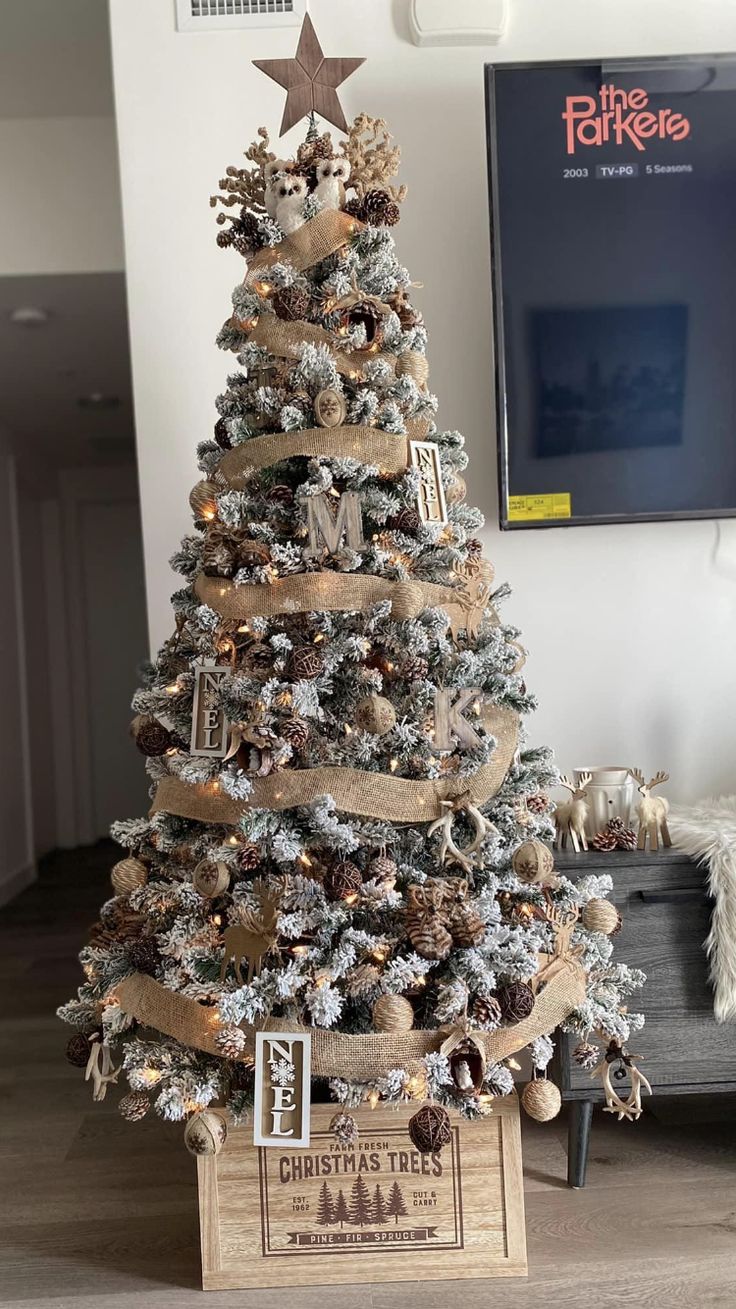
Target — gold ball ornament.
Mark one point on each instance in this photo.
(128, 875)
(375, 714)
(413, 364)
(211, 878)
(533, 863)
(330, 408)
(203, 500)
(601, 916)
(205, 1133)
(393, 1013)
(541, 1099)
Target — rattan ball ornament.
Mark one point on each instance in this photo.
(150, 736)
(516, 1001)
(143, 955)
(413, 364)
(230, 1041)
(205, 1133)
(203, 500)
(541, 1099)
(393, 1013)
(291, 303)
(211, 877)
(78, 1049)
(134, 1106)
(305, 663)
(533, 862)
(430, 1129)
(601, 916)
(344, 1128)
(375, 714)
(128, 875)
(343, 881)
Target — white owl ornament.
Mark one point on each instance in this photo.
(291, 192)
(332, 176)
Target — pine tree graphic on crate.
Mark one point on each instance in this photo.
(347, 853)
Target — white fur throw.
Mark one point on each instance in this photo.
(708, 834)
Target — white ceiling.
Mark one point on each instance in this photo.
(44, 370)
(55, 59)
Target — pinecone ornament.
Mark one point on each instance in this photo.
(486, 1012)
(604, 841)
(382, 869)
(380, 209)
(625, 836)
(586, 1055)
(362, 981)
(144, 956)
(222, 436)
(280, 494)
(134, 1106)
(344, 1128)
(291, 303)
(354, 207)
(249, 857)
(415, 668)
(295, 731)
(230, 1041)
(426, 920)
(537, 804)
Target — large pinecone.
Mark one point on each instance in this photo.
(291, 303)
(144, 956)
(486, 1011)
(222, 436)
(604, 841)
(295, 731)
(380, 209)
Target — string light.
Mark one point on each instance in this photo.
(150, 1076)
(373, 1098)
(304, 859)
(394, 765)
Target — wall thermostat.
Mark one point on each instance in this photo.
(465, 22)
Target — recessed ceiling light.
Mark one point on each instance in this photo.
(29, 316)
(98, 400)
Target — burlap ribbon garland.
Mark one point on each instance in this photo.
(371, 795)
(369, 445)
(309, 592)
(337, 1054)
(286, 340)
(309, 245)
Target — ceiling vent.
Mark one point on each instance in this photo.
(221, 15)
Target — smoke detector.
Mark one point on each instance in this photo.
(465, 22)
(223, 15)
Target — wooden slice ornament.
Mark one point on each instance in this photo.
(330, 408)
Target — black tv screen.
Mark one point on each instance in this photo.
(613, 243)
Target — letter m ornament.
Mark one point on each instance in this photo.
(281, 1105)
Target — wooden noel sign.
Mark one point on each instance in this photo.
(431, 505)
(281, 1106)
(210, 727)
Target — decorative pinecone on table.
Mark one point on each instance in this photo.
(78, 1049)
(344, 1128)
(604, 841)
(144, 956)
(150, 736)
(295, 731)
(380, 209)
(222, 436)
(291, 303)
(486, 1011)
(625, 836)
(134, 1106)
(586, 1055)
(537, 804)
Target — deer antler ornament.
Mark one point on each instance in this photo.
(618, 1055)
(465, 856)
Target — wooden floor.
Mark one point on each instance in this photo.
(95, 1211)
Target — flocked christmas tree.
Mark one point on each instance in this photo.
(347, 824)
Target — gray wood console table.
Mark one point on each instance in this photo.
(664, 905)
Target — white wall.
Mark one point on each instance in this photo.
(59, 197)
(631, 628)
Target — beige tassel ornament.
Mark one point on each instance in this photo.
(128, 875)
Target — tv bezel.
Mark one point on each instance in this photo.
(499, 353)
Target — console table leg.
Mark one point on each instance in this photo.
(578, 1139)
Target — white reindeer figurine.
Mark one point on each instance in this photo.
(652, 811)
(570, 817)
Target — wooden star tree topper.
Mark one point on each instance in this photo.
(310, 80)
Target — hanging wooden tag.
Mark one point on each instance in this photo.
(431, 504)
(281, 1108)
(210, 727)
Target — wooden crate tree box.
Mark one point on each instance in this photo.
(378, 1211)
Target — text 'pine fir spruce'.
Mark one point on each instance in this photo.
(346, 844)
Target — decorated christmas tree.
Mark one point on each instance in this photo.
(348, 826)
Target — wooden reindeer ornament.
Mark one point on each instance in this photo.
(256, 935)
(618, 1063)
(570, 817)
(652, 811)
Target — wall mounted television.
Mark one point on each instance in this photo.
(613, 250)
